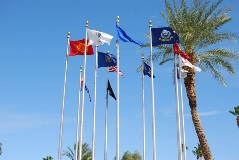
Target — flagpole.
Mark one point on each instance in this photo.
(63, 99)
(182, 112)
(143, 109)
(83, 94)
(106, 119)
(78, 117)
(117, 99)
(152, 88)
(177, 111)
(94, 112)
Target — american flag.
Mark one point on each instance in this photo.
(114, 69)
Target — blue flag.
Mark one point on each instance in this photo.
(106, 60)
(164, 35)
(147, 70)
(125, 38)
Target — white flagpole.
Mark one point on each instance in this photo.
(177, 111)
(63, 99)
(182, 112)
(106, 118)
(78, 118)
(117, 99)
(94, 112)
(143, 109)
(83, 95)
(152, 87)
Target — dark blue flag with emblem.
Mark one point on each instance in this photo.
(125, 38)
(164, 35)
(106, 60)
(147, 70)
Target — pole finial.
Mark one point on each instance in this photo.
(117, 17)
(108, 52)
(80, 67)
(87, 22)
(142, 54)
(68, 33)
(150, 22)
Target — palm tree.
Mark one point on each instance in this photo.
(131, 156)
(86, 152)
(236, 113)
(48, 158)
(198, 151)
(199, 28)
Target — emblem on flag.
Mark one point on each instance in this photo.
(165, 35)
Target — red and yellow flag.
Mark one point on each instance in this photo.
(78, 48)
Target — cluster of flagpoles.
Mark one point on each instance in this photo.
(158, 36)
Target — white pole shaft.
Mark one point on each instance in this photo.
(63, 100)
(143, 109)
(94, 109)
(177, 111)
(106, 119)
(117, 100)
(83, 96)
(78, 118)
(152, 88)
(182, 114)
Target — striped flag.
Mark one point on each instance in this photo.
(114, 69)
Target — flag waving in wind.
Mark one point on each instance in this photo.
(185, 62)
(125, 38)
(98, 38)
(86, 88)
(78, 48)
(109, 88)
(114, 69)
(164, 35)
(147, 70)
(106, 60)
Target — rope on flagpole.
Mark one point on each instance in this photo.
(63, 99)
(152, 88)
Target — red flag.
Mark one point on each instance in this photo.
(177, 50)
(78, 48)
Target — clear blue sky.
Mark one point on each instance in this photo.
(33, 47)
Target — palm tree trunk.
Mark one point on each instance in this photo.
(189, 83)
(238, 120)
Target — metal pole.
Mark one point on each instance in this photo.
(152, 88)
(63, 99)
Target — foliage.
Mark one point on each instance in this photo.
(86, 152)
(48, 158)
(131, 156)
(198, 151)
(235, 112)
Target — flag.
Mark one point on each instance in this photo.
(177, 50)
(184, 72)
(164, 35)
(147, 70)
(78, 48)
(86, 88)
(109, 88)
(125, 38)
(98, 38)
(106, 60)
(185, 62)
(114, 69)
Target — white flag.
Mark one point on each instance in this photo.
(185, 62)
(98, 38)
